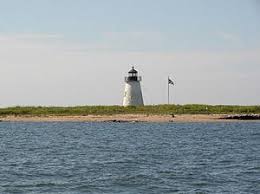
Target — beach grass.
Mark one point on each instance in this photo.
(111, 110)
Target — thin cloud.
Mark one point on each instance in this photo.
(228, 36)
(30, 36)
(133, 40)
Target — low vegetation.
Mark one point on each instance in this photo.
(110, 110)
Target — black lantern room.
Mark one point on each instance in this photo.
(132, 75)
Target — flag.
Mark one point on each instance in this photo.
(170, 81)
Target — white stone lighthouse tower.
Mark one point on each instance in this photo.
(133, 93)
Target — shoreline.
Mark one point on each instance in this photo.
(124, 118)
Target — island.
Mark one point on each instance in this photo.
(150, 113)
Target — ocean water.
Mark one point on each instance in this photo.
(78, 157)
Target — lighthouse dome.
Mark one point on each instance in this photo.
(132, 71)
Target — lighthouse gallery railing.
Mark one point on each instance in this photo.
(133, 78)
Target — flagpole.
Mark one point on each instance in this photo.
(168, 91)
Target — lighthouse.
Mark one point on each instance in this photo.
(133, 93)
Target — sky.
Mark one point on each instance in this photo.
(67, 53)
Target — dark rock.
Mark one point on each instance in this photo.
(122, 121)
(242, 117)
(118, 121)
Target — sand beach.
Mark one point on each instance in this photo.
(121, 118)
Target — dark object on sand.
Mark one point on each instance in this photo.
(172, 115)
(242, 117)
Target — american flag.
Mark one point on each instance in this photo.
(170, 81)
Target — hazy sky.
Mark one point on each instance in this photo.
(77, 52)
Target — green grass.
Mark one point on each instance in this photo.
(110, 110)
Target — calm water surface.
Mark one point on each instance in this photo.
(129, 157)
